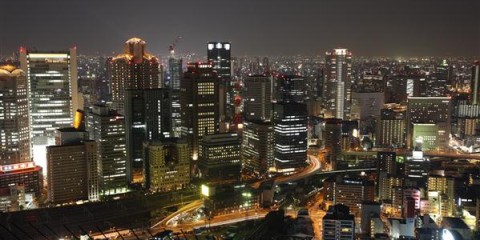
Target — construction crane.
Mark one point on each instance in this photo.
(171, 48)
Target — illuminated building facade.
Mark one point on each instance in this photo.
(199, 91)
(219, 156)
(290, 136)
(168, 165)
(175, 69)
(349, 192)
(257, 146)
(290, 88)
(14, 131)
(148, 117)
(72, 167)
(53, 95)
(27, 174)
(391, 127)
(430, 110)
(258, 98)
(134, 69)
(219, 55)
(338, 223)
(338, 83)
(107, 128)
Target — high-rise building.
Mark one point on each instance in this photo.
(219, 156)
(175, 69)
(386, 162)
(72, 167)
(391, 127)
(430, 110)
(258, 98)
(167, 165)
(107, 128)
(338, 223)
(53, 95)
(133, 69)
(14, 131)
(333, 140)
(199, 92)
(475, 84)
(290, 136)
(338, 83)
(257, 146)
(148, 117)
(219, 56)
(290, 88)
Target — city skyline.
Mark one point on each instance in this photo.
(368, 28)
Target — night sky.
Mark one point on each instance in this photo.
(255, 27)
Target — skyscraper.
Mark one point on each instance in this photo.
(175, 70)
(134, 69)
(338, 83)
(72, 167)
(53, 95)
(475, 83)
(290, 136)
(392, 126)
(107, 128)
(258, 98)
(219, 55)
(257, 146)
(199, 91)
(290, 88)
(148, 117)
(14, 131)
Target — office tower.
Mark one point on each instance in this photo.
(219, 56)
(290, 88)
(290, 136)
(167, 165)
(475, 84)
(391, 127)
(53, 95)
(338, 73)
(72, 167)
(258, 98)
(333, 140)
(133, 69)
(257, 146)
(27, 174)
(14, 131)
(107, 128)
(175, 69)
(148, 117)
(430, 110)
(349, 191)
(338, 223)
(219, 156)
(199, 91)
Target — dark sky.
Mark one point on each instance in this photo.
(255, 27)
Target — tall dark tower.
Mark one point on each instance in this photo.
(475, 83)
(199, 92)
(148, 117)
(219, 55)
